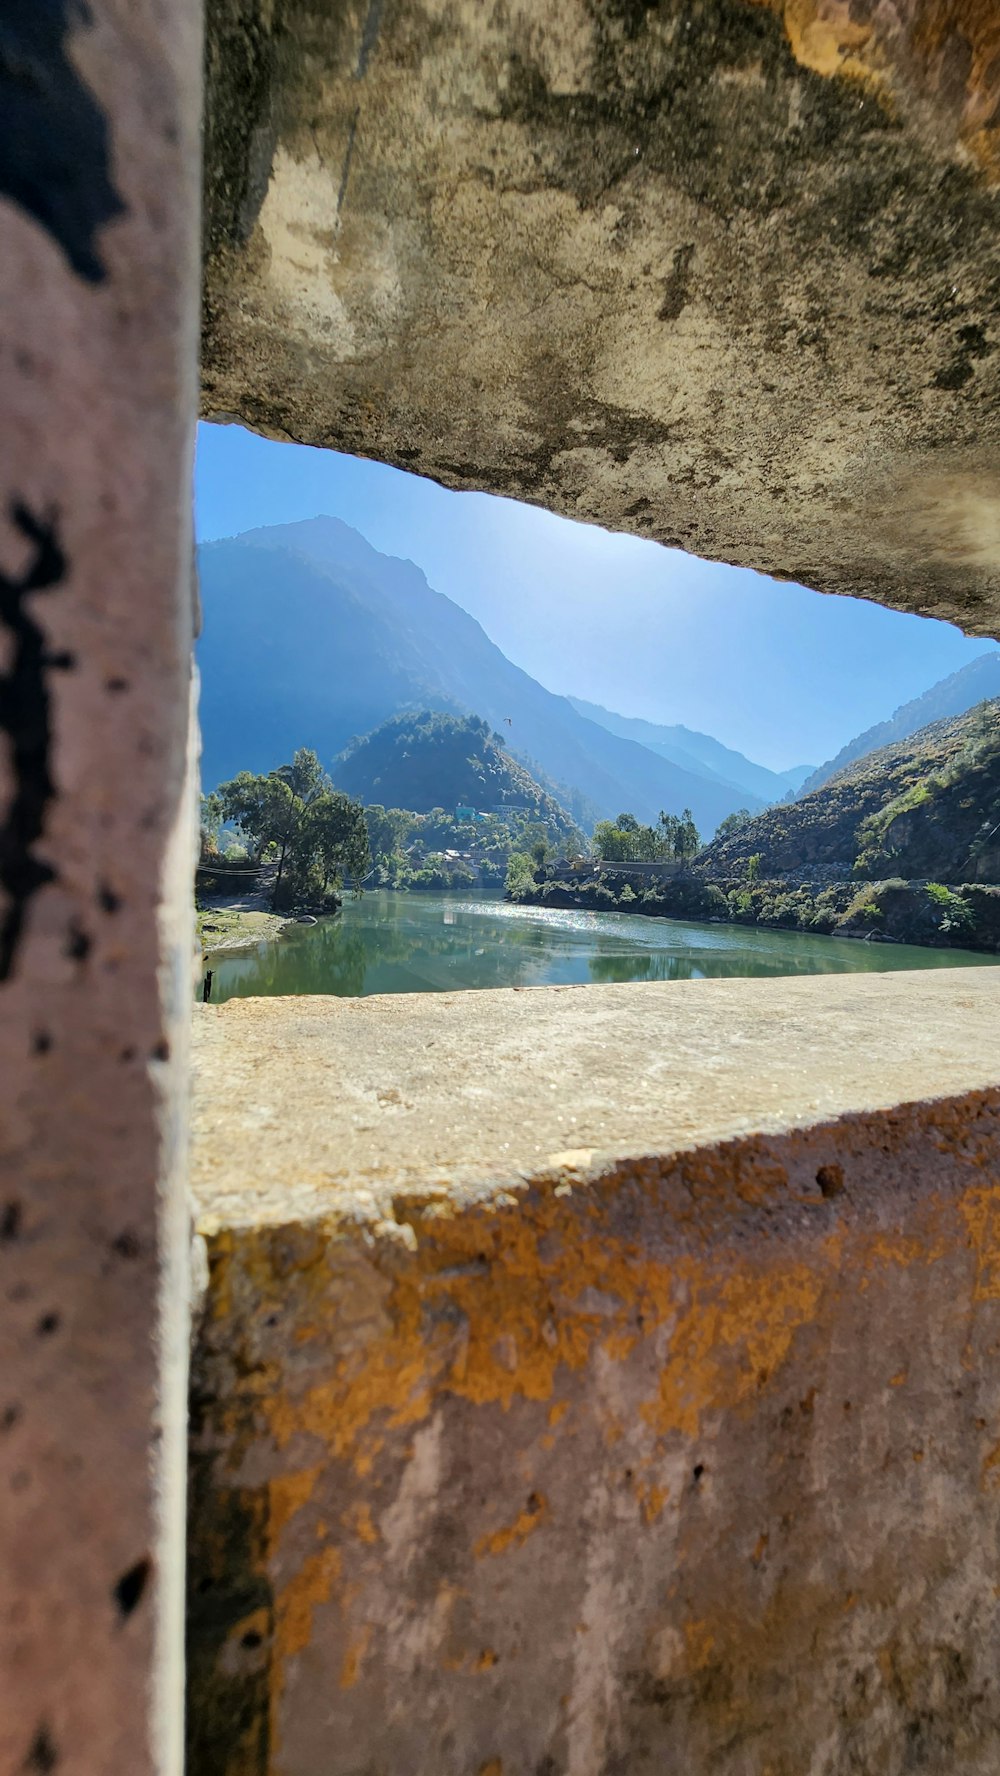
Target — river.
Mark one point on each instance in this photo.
(438, 943)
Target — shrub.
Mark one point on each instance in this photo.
(864, 909)
(956, 912)
(520, 875)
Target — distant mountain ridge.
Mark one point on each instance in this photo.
(953, 695)
(312, 637)
(699, 752)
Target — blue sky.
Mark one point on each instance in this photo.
(782, 673)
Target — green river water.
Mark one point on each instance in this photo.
(440, 943)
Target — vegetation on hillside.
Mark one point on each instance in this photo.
(926, 807)
(427, 760)
(960, 691)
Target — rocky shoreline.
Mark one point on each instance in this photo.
(932, 914)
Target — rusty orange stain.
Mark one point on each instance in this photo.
(513, 1534)
(358, 1520)
(287, 1493)
(652, 1499)
(699, 1641)
(734, 1328)
(894, 52)
(729, 1316)
(311, 1586)
(354, 1657)
(980, 1209)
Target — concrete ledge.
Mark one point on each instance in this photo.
(308, 1105)
(662, 1438)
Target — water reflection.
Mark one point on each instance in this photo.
(424, 943)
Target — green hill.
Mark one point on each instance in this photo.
(430, 760)
(927, 807)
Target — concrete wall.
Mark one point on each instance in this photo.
(599, 1382)
(721, 274)
(98, 278)
(606, 1437)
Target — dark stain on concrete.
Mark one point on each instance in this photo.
(229, 1601)
(676, 290)
(42, 1756)
(128, 1591)
(54, 152)
(26, 719)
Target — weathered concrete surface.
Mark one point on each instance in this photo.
(677, 1451)
(98, 334)
(724, 274)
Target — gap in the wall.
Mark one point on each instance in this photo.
(578, 756)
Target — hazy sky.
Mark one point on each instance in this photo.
(783, 674)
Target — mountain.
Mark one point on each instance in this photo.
(927, 807)
(700, 753)
(311, 637)
(433, 760)
(950, 696)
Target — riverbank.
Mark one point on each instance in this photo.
(236, 928)
(931, 915)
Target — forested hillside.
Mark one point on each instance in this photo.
(431, 760)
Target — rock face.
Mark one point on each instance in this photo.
(724, 274)
(547, 1422)
(924, 807)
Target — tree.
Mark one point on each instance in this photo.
(267, 810)
(520, 874)
(687, 838)
(335, 838)
(305, 776)
(669, 827)
(318, 835)
(753, 868)
(388, 829)
(211, 821)
(732, 823)
(611, 842)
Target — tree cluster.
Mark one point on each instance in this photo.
(408, 848)
(293, 815)
(674, 838)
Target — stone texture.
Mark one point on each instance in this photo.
(98, 323)
(722, 274)
(599, 1381)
